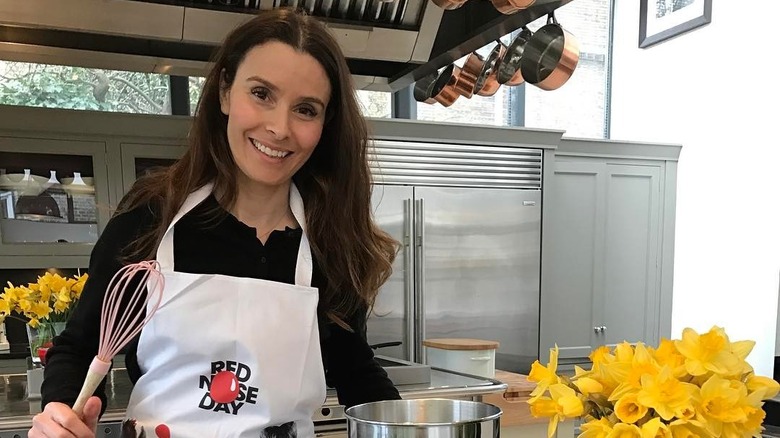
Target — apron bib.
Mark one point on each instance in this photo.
(230, 356)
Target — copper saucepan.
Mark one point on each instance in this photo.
(443, 90)
(508, 7)
(550, 56)
(487, 83)
(508, 71)
(469, 73)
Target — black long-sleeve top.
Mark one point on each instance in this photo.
(226, 247)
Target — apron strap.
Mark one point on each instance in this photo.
(304, 265)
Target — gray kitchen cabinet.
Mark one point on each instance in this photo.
(607, 246)
(53, 194)
(139, 158)
(61, 214)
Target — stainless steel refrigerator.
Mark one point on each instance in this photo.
(469, 267)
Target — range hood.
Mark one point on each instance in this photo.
(389, 43)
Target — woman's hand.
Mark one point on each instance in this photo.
(59, 421)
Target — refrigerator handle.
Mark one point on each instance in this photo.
(408, 247)
(419, 262)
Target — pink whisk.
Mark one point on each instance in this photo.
(119, 325)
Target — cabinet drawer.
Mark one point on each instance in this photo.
(105, 430)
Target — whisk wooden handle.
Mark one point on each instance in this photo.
(97, 371)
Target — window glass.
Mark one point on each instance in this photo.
(579, 106)
(372, 103)
(482, 110)
(196, 86)
(58, 86)
(375, 103)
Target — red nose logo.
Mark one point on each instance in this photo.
(224, 387)
(162, 431)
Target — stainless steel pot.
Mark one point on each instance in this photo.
(439, 418)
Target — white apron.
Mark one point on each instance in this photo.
(228, 356)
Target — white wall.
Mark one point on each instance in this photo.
(716, 91)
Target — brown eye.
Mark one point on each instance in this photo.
(261, 93)
(308, 111)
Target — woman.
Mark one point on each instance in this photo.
(273, 196)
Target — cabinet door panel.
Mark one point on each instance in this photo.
(630, 297)
(573, 225)
(137, 159)
(53, 196)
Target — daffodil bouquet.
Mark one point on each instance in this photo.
(50, 299)
(698, 386)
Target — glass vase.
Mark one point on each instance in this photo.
(41, 338)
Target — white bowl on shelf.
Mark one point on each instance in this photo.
(88, 185)
(88, 181)
(27, 184)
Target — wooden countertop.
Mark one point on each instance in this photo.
(514, 401)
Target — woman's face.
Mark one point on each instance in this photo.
(276, 111)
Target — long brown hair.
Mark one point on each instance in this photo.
(335, 183)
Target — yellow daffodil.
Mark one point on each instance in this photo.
(588, 385)
(665, 394)
(563, 403)
(5, 309)
(596, 429)
(601, 355)
(624, 352)
(686, 429)
(622, 430)
(49, 299)
(629, 410)
(699, 386)
(656, 429)
(78, 287)
(766, 387)
(720, 403)
(544, 376)
(40, 310)
(24, 305)
(710, 352)
(667, 354)
(752, 425)
(612, 375)
(642, 363)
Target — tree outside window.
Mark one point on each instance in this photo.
(57, 86)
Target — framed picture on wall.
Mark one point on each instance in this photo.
(660, 20)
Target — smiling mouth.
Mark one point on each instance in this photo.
(273, 153)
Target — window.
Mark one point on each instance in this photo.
(372, 103)
(375, 103)
(57, 86)
(483, 110)
(580, 106)
(196, 86)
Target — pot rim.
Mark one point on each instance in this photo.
(492, 417)
(509, 73)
